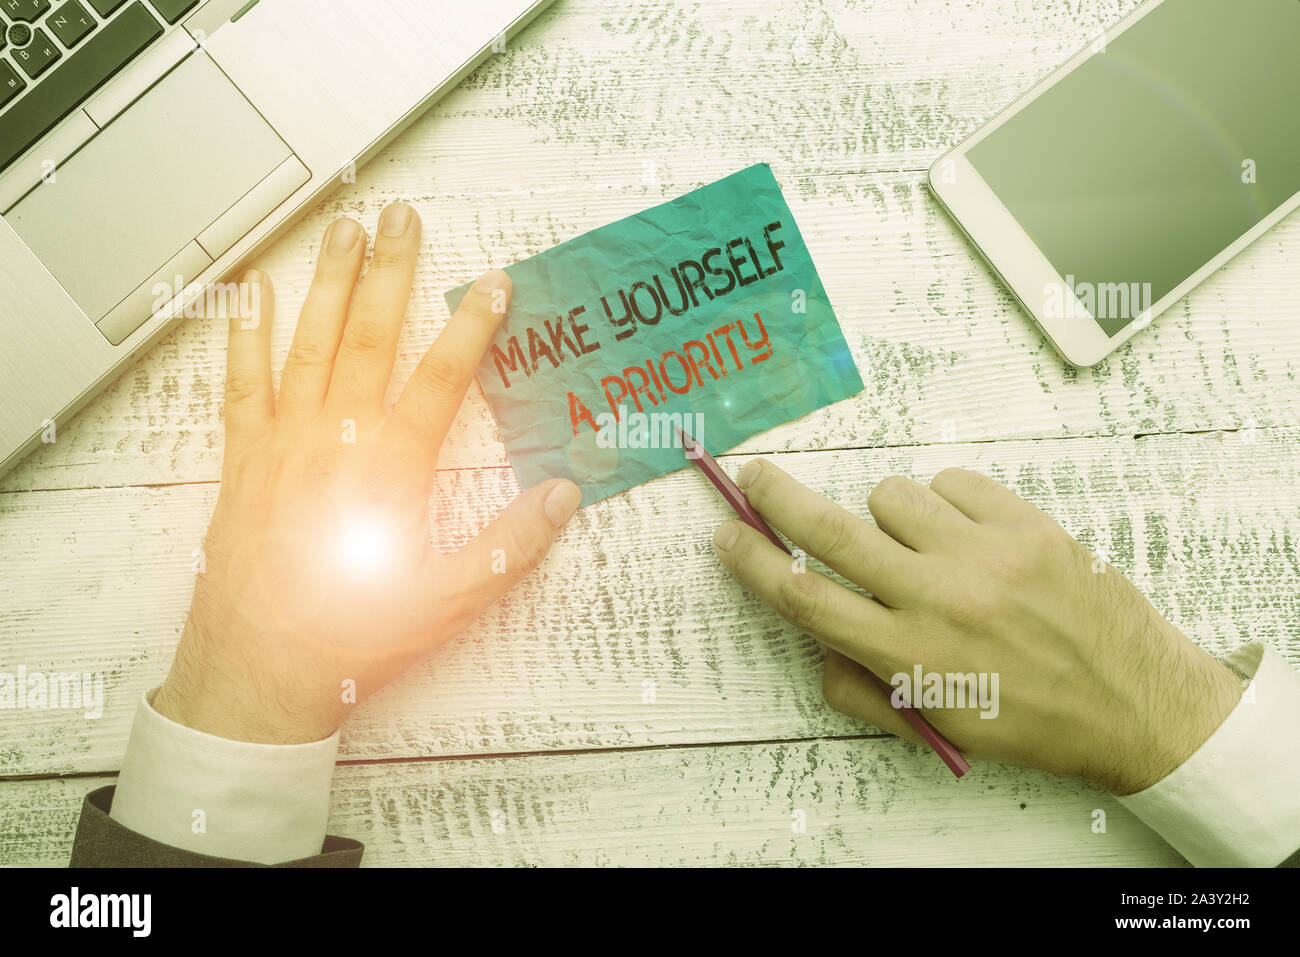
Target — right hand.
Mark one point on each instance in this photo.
(968, 577)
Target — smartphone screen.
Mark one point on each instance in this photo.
(1168, 144)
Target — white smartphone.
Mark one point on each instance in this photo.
(1156, 154)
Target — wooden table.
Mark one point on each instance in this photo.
(630, 704)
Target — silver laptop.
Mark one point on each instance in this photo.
(151, 144)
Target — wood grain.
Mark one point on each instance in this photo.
(699, 712)
(887, 86)
(875, 801)
(99, 581)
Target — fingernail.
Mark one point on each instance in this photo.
(343, 235)
(492, 280)
(726, 535)
(562, 502)
(395, 220)
(749, 473)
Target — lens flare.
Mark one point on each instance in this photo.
(365, 545)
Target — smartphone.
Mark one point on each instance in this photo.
(1119, 183)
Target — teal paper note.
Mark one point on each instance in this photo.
(704, 313)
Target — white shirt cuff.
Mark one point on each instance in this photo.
(265, 803)
(1234, 802)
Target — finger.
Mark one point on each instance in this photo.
(916, 516)
(306, 375)
(854, 547)
(980, 498)
(850, 623)
(250, 401)
(369, 346)
(431, 398)
(507, 550)
(850, 689)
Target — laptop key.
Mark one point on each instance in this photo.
(105, 7)
(84, 71)
(173, 10)
(11, 84)
(70, 23)
(38, 56)
(25, 11)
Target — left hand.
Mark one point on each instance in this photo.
(319, 576)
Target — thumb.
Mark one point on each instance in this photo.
(505, 552)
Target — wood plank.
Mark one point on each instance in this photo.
(871, 801)
(99, 581)
(943, 349)
(827, 86)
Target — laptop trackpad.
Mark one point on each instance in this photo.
(147, 185)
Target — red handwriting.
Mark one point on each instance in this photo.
(678, 371)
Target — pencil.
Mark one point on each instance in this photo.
(695, 452)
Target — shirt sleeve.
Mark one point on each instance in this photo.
(264, 803)
(1234, 803)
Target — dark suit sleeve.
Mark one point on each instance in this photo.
(103, 842)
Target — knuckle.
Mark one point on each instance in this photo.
(897, 495)
(1029, 551)
(298, 378)
(1058, 549)
(923, 503)
(833, 534)
(889, 489)
(366, 335)
(389, 257)
(970, 608)
(528, 549)
(800, 601)
(242, 385)
(1042, 538)
(309, 352)
(440, 374)
(1011, 571)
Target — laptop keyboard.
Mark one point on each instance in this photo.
(55, 53)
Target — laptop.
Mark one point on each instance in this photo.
(147, 147)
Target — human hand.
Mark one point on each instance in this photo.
(967, 577)
(319, 570)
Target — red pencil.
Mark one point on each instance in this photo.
(696, 453)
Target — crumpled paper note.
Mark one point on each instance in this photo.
(705, 313)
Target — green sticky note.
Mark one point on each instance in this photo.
(705, 313)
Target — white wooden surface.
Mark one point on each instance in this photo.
(1179, 457)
